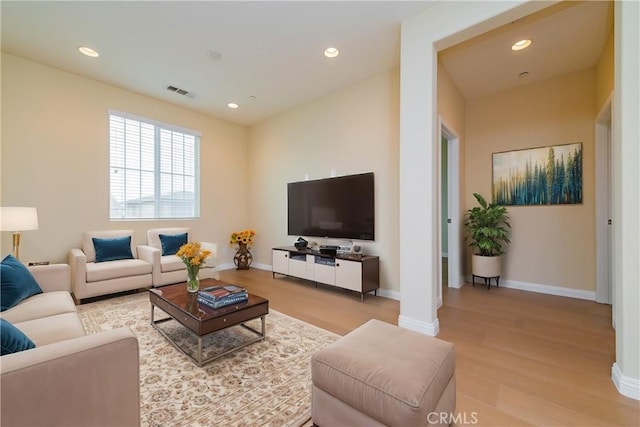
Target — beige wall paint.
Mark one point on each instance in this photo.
(352, 131)
(451, 103)
(451, 107)
(604, 73)
(551, 245)
(55, 157)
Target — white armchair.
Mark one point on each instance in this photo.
(169, 269)
(90, 278)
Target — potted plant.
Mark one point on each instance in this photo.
(487, 232)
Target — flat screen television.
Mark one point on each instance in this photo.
(340, 207)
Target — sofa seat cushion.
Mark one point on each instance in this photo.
(52, 329)
(40, 306)
(393, 375)
(97, 272)
(171, 263)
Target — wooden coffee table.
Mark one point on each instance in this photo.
(201, 320)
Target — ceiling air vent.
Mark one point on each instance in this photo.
(181, 91)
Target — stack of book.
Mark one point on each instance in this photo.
(220, 296)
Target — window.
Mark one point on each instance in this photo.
(153, 169)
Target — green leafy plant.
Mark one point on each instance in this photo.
(487, 227)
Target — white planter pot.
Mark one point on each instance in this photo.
(485, 266)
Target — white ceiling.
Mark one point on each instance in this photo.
(567, 37)
(273, 50)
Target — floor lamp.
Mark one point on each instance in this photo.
(17, 219)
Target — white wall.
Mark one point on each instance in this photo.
(351, 131)
(55, 156)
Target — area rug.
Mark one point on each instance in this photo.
(267, 383)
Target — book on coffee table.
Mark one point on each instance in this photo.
(217, 293)
(234, 299)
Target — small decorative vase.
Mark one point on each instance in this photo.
(243, 258)
(193, 284)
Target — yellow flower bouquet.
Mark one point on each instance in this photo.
(244, 236)
(243, 258)
(193, 257)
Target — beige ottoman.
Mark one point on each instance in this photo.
(380, 374)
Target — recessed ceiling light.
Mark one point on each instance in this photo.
(88, 51)
(214, 55)
(232, 105)
(521, 44)
(331, 52)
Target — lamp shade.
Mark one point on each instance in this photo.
(18, 219)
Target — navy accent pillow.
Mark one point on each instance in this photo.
(16, 283)
(112, 249)
(13, 339)
(171, 242)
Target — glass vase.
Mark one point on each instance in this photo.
(193, 284)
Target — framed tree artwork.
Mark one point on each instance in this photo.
(549, 175)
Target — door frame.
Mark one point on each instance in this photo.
(604, 206)
(454, 250)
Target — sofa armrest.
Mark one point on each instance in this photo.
(78, 268)
(53, 277)
(152, 256)
(90, 380)
(149, 254)
(210, 261)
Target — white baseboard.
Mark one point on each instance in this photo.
(262, 266)
(542, 289)
(227, 266)
(427, 328)
(232, 266)
(388, 293)
(626, 386)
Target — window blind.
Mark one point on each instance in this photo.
(153, 168)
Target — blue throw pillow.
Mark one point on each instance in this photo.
(16, 283)
(13, 339)
(112, 249)
(171, 242)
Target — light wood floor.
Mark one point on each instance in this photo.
(521, 358)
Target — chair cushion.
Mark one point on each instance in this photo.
(87, 241)
(13, 339)
(99, 271)
(171, 263)
(153, 235)
(171, 242)
(112, 249)
(16, 283)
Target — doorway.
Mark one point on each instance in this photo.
(450, 218)
(604, 207)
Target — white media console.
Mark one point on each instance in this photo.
(359, 273)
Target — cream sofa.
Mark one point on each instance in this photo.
(70, 378)
(90, 278)
(169, 269)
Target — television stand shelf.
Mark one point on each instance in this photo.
(359, 273)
